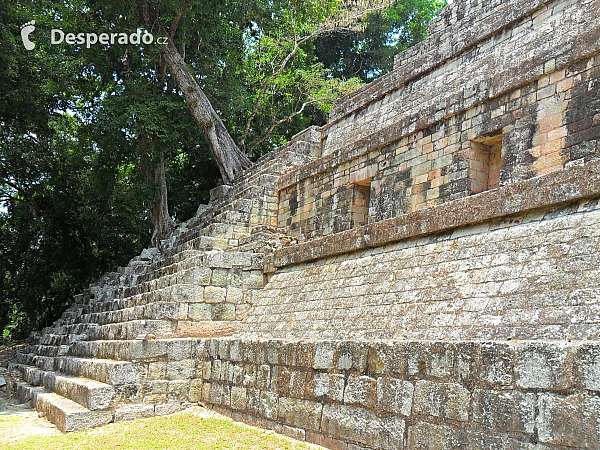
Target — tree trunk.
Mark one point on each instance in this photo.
(154, 174)
(163, 224)
(230, 159)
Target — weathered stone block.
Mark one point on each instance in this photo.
(588, 366)
(457, 404)
(253, 279)
(223, 311)
(179, 349)
(440, 360)
(148, 350)
(428, 436)
(215, 373)
(429, 398)
(178, 390)
(361, 390)
(132, 412)
(300, 413)
(198, 276)
(235, 350)
(214, 294)
(268, 404)
(360, 426)
(263, 378)
(238, 398)
(496, 362)
(250, 375)
(206, 387)
(169, 408)
(195, 394)
(300, 384)
(200, 311)
(352, 355)
(571, 421)
(234, 295)
(545, 366)
(324, 355)
(155, 392)
(157, 370)
(330, 386)
(506, 411)
(395, 395)
(220, 277)
(179, 370)
(219, 394)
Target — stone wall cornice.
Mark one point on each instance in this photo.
(554, 189)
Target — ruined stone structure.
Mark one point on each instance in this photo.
(420, 273)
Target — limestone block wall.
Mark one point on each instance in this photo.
(528, 276)
(515, 97)
(418, 395)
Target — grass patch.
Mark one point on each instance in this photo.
(177, 432)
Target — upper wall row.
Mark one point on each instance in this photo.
(501, 91)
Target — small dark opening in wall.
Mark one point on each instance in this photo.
(360, 204)
(485, 162)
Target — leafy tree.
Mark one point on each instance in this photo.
(90, 138)
(369, 52)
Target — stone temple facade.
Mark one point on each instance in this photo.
(423, 272)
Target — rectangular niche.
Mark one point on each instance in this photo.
(360, 203)
(485, 162)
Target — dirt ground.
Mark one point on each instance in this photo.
(18, 421)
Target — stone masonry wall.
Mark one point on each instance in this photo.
(530, 276)
(425, 143)
(417, 395)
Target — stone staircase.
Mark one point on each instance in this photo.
(125, 347)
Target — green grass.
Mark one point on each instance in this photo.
(177, 432)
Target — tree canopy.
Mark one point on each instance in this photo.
(90, 138)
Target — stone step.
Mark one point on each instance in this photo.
(132, 329)
(108, 371)
(159, 310)
(66, 414)
(63, 337)
(138, 350)
(113, 372)
(78, 328)
(92, 394)
(219, 224)
(183, 293)
(24, 357)
(49, 350)
(127, 329)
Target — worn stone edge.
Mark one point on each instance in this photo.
(554, 189)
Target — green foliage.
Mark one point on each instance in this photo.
(369, 53)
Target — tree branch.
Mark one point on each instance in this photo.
(272, 77)
(26, 199)
(177, 19)
(274, 125)
(326, 27)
